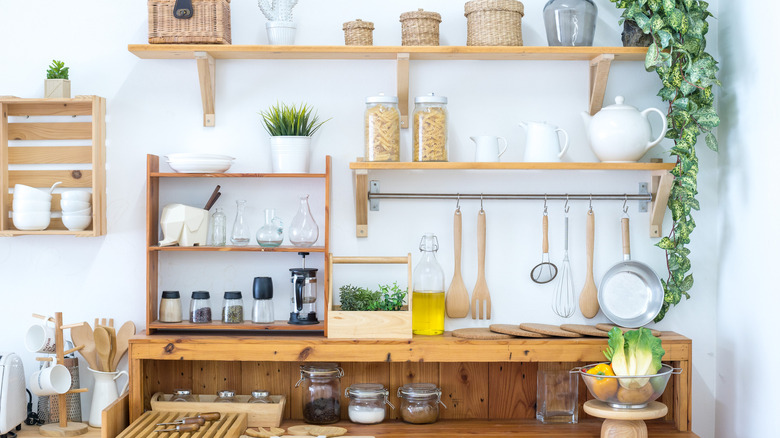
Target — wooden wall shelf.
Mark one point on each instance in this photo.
(600, 59)
(284, 248)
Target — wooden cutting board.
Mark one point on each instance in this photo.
(229, 426)
(479, 333)
(549, 330)
(586, 330)
(515, 330)
(608, 327)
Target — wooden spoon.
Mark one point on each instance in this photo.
(103, 347)
(457, 301)
(589, 301)
(122, 341)
(481, 293)
(112, 338)
(82, 335)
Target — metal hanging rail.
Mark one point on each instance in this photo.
(646, 197)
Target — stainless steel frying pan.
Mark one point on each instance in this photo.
(631, 294)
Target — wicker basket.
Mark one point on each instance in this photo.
(359, 33)
(209, 24)
(420, 28)
(494, 23)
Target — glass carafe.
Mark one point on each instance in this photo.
(570, 22)
(428, 290)
(303, 230)
(218, 228)
(240, 234)
(271, 233)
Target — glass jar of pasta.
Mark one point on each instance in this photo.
(429, 128)
(382, 128)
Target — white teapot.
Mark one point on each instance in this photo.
(620, 133)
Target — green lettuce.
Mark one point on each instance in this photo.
(635, 353)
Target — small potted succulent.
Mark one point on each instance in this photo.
(291, 128)
(280, 27)
(57, 84)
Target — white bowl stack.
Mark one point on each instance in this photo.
(31, 208)
(76, 209)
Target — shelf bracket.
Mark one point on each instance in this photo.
(661, 188)
(599, 73)
(360, 182)
(402, 75)
(206, 77)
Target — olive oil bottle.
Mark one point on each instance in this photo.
(428, 290)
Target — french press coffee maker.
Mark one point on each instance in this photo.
(304, 294)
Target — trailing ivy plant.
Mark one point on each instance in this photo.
(688, 73)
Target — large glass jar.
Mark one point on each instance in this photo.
(200, 307)
(382, 128)
(367, 403)
(429, 128)
(321, 384)
(420, 403)
(570, 22)
(428, 290)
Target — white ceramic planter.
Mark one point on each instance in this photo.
(290, 154)
(280, 33)
(56, 88)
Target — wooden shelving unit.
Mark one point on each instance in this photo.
(600, 59)
(153, 250)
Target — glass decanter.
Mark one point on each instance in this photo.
(428, 290)
(570, 22)
(271, 233)
(303, 230)
(240, 235)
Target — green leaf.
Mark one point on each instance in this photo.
(667, 93)
(666, 243)
(665, 36)
(711, 141)
(668, 6)
(653, 57)
(677, 20)
(707, 117)
(687, 283)
(654, 5)
(657, 23)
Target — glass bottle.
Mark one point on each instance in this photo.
(429, 128)
(367, 402)
(260, 397)
(321, 384)
(271, 233)
(428, 290)
(218, 228)
(200, 307)
(233, 308)
(419, 403)
(225, 397)
(570, 22)
(240, 235)
(263, 307)
(183, 395)
(303, 230)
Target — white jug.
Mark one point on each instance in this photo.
(542, 144)
(488, 148)
(104, 393)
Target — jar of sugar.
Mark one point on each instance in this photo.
(367, 403)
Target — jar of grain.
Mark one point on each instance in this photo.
(233, 308)
(420, 403)
(429, 128)
(367, 403)
(382, 123)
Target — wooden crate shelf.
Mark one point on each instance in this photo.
(248, 326)
(49, 163)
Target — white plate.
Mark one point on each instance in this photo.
(188, 156)
(218, 166)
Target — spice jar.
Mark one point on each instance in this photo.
(321, 384)
(420, 403)
(225, 397)
(183, 395)
(367, 403)
(429, 128)
(382, 128)
(260, 397)
(200, 307)
(233, 308)
(170, 306)
(263, 307)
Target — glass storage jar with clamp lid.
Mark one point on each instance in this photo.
(367, 403)
(420, 403)
(321, 385)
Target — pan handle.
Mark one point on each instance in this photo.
(626, 239)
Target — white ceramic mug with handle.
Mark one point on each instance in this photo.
(40, 337)
(488, 148)
(54, 379)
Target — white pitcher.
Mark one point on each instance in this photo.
(488, 148)
(104, 393)
(542, 144)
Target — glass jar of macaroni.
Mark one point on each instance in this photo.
(382, 128)
(429, 128)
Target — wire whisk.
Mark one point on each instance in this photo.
(563, 301)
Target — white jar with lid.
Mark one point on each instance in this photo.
(367, 403)
(429, 128)
(382, 128)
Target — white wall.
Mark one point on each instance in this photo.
(154, 107)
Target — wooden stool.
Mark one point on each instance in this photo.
(624, 423)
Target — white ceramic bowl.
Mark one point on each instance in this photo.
(200, 166)
(76, 195)
(69, 205)
(76, 223)
(22, 191)
(29, 205)
(84, 212)
(189, 156)
(31, 220)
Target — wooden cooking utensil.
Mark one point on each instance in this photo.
(457, 301)
(112, 337)
(82, 335)
(589, 299)
(103, 347)
(481, 293)
(122, 340)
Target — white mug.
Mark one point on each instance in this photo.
(53, 380)
(487, 148)
(40, 338)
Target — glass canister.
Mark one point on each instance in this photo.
(170, 306)
(420, 403)
(260, 397)
(367, 403)
(570, 22)
(428, 290)
(225, 397)
(321, 384)
(233, 308)
(200, 307)
(218, 228)
(429, 128)
(183, 395)
(382, 128)
(263, 307)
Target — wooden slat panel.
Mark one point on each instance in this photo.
(410, 372)
(166, 376)
(50, 131)
(216, 376)
(99, 165)
(50, 155)
(270, 376)
(464, 389)
(512, 390)
(5, 207)
(72, 108)
(45, 178)
(356, 372)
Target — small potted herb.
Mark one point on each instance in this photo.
(291, 128)
(57, 84)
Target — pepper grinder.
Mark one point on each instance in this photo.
(263, 308)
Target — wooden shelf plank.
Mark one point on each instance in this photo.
(235, 175)
(368, 165)
(10, 233)
(245, 326)
(284, 248)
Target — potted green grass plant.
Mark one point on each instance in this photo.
(291, 128)
(57, 84)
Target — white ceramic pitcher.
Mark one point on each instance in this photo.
(542, 144)
(487, 148)
(104, 393)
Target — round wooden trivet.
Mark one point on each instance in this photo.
(549, 330)
(600, 409)
(327, 431)
(479, 333)
(583, 329)
(607, 327)
(262, 433)
(72, 429)
(301, 429)
(514, 330)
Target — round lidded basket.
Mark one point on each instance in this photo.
(494, 22)
(420, 28)
(359, 33)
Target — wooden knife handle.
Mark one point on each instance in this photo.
(210, 416)
(626, 239)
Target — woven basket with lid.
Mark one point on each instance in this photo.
(420, 28)
(359, 33)
(494, 23)
(209, 24)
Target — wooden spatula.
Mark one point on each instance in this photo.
(480, 298)
(103, 347)
(112, 338)
(589, 300)
(457, 301)
(82, 335)
(122, 339)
